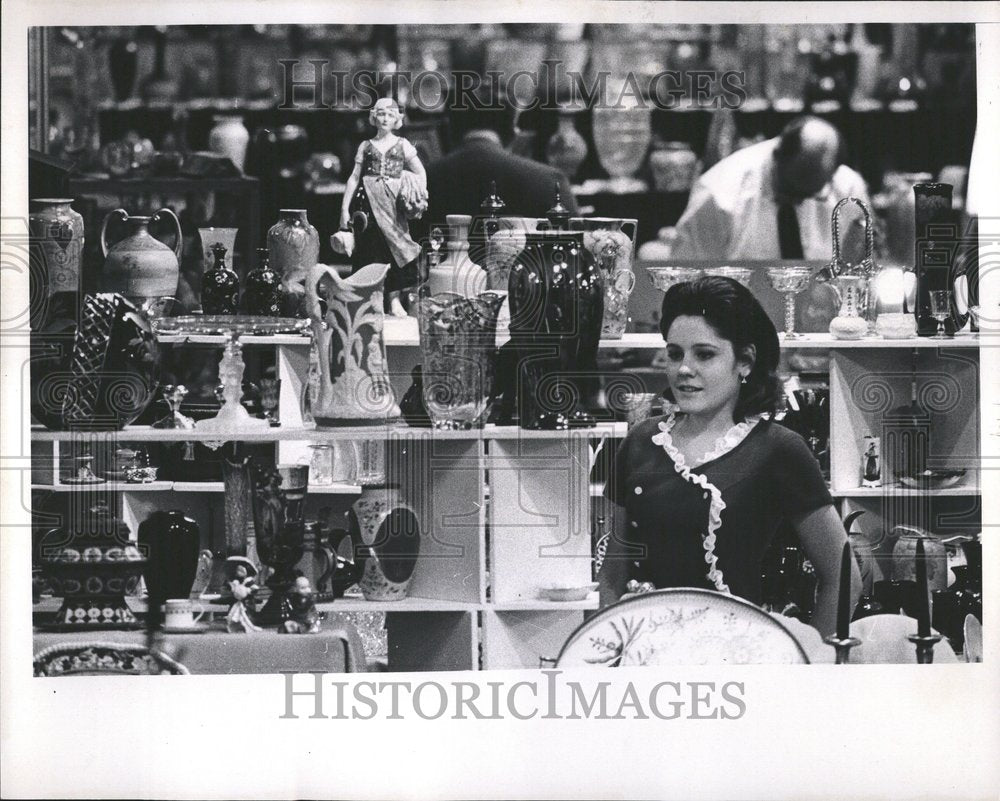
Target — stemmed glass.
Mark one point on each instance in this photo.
(790, 281)
(940, 310)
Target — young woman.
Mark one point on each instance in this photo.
(700, 492)
(379, 198)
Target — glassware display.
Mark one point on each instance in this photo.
(174, 395)
(936, 232)
(232, 418)
(611, 242)
(83, 472)
(458, 345)
(940, 300)
(790, 281)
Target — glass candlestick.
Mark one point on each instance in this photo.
(232, 417)
(790, 281)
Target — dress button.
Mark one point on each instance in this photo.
(638, 490)
(705, 495)
(634, 524)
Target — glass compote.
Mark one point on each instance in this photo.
(740, 274)
(940, 310)
(665, 276)
(790, 281)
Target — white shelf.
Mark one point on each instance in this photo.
(112, 486)
(541, 605)
(184, 486)
(403, 332)
(283, 434)
(300, 340)
(894, 490)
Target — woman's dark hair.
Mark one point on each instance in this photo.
(735, 315)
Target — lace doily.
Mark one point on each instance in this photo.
(723, 445)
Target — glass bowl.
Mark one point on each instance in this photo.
(665, 276)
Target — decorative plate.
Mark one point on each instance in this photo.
(973, 650)
(931, 479)
(683, 626)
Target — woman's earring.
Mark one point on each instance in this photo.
(743, 378)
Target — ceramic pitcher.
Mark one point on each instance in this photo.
(386, 535)
(140, 267)
(347, 320)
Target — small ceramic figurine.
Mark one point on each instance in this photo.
(387, 187)
(305, 617)
(243, 585)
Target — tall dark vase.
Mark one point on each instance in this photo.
(123, 62)
(935, 247)
(556, 306)
(278, 494)
(171, 541)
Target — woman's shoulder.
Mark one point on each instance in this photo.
(781, 439)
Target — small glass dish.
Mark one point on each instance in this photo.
(665, 276)
(565, 593)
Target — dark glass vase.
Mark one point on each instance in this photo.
(556, 297)
(262, 293)
(220, 289)
(278, 494)
(935, 246)
(115, 367)
(171, 542)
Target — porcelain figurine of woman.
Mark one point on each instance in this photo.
(387, 187)
(243, 586)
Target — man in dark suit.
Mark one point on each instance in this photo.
(460, 181)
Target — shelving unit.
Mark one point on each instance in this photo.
(505, 512)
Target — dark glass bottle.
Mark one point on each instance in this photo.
(262, 294)
(220, 289)
(935, 246)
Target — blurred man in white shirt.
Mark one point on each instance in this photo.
(772, 200)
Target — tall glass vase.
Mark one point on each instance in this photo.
(936, 234)
(458, 345)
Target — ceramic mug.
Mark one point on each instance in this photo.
(180, 613)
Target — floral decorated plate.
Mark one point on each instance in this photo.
(681, 627)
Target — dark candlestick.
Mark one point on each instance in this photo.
(844, 599)
(843, 647)
(925, 647)
(923, 596)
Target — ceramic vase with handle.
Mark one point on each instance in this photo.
(347, 321)
(556, 308)
(293, 245)
(386, 536)
(141, 267)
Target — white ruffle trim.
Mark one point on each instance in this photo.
(723, 445)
